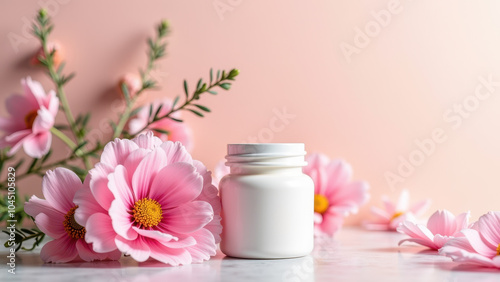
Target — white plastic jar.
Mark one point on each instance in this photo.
(267, 202)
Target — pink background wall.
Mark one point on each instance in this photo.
(421, 63)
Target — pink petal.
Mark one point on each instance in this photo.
(33, 89)
(53, 103)
(133, 161)
(138, 249)
(403, 201)
(389, 206)
(477, 244)
(420, 207)
(59, 187)
(176, 152)
(462, 221)
(416, 231)
(87, 205)
(120, 187)
(205, 246)
(331, 223)
(59, 250)
(147, 141)
(187, 218)
(99, 184)
(122, 220)
(442, 222)
(168, 255)
(43, 121)
(86, 253)
(338, 175)
(36, 146)
(380, 214)
(146, 171)
(9, 125)
(440, 241)
(348, 198)
(316, 164)
(176, 184)
(19, 106)
(100, 233)
(36, 206)
(52, 225)
(155, 234)
(116, 152)
(488, 226)
(423, 242)
(16, 140)
(456, 249)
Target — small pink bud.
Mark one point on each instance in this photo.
(58, 55)
(133, 83)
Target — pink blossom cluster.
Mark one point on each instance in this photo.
(477, 243)
(145, 198)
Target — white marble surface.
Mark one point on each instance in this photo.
(354, 255)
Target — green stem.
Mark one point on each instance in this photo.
(63, 137)
(124, 117)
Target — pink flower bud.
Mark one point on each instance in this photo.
(133, 83)
(58, 55)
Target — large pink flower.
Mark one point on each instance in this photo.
(151, 199)
(393, 215)
(479, 245)
(177, 131)
(441, 227)
(335, 195)
(55, 217)
(31, 118)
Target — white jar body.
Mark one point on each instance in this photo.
(267, 214)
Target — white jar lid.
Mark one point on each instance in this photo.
(272, 149)
(266, 154)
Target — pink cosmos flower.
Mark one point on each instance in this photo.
(441, 227)
(177, 131)
(149, 198)
(392, 216)
(479, 245)
(55, 217)
(335, 195)
(51, 46)
(31, 118)
(133, 83)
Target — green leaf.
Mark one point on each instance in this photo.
(157, 113)
(218, 75)
(186, 89)
(20, 162)
(212, 92)
(176, 119)
(32, 165)
(225, 85)
(196, 112)
(135, 111)
(176, 100)
(125, 92)
(161, 131)
(203, 108)
(81, 145)
(198, 85)
(61, 67)
(150, 115)
(211, 75)
(47, 156)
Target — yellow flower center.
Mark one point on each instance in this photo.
(29, 119)
(320, 203)
(147, 212)
(74, 230)
(396, 215)
(498, 250)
